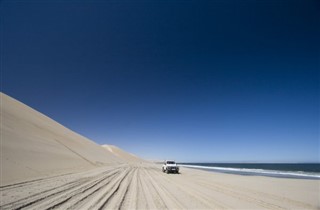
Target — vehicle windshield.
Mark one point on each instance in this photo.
(171, 162)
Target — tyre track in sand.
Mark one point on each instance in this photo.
(20, 191)
(117, 196)
(131, 198)
(149, 198)
(73, 198)
(133, 186)
(105, 193)
(49, 198)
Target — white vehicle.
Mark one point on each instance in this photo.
(170, 166)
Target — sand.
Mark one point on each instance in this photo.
(123, 155)
(45, 165)
(144, 186)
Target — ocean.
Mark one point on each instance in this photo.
(281, 170)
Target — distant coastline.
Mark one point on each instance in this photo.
(280, 170)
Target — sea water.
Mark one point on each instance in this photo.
(281, 170)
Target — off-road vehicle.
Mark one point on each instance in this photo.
(170, 166)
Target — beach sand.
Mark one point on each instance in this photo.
(45, 165)
(144, 186)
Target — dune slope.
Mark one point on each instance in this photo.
(33, 145)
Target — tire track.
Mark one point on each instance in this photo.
(21, 203)
(150, 195)
(82, 197)
(79, 191)
(137, 187)
(35, 199)
(117, 199)
(101, 197)
(131, 198)
(20, 191)
(35, 181)
(168, 198)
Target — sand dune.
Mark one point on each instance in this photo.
(33, 145)
(47, 166)
(123, 155)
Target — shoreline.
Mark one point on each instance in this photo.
(257, 172)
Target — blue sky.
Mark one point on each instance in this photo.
(219, 81)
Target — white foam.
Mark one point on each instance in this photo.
(260, 171)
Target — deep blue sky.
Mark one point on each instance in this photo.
(217, 80)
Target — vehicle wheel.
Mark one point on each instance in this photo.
(162, 170)
(167, 171)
